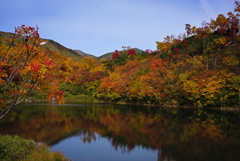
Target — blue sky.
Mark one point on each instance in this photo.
(100, 26)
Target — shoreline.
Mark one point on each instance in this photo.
(227, 108)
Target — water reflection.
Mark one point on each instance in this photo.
(99, 150)
(148, 132)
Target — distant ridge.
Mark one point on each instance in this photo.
(51, 45)
(75, 54)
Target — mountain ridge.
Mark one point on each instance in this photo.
(75, 54)
(50, 44)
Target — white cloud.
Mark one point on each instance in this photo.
(207, 8)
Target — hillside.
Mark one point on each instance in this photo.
(201, 69)
(52, 45)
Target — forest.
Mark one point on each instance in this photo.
(199, 68)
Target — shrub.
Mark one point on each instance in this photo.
(14, 148)
(43, 153)
(18, 149)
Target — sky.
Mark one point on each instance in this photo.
(101, 26)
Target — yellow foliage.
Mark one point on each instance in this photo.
(221, 20)
(231, 61)
(144, 60)
(211, 88)
(214, 84)
(43, 70)
(115, 76)
(99, 68)
(88, 63)
(140, 90)
(163, 46)
(208, 30)
(92, 85)
(192, 87)
(213, 23)
(183, 77)
(221, 40)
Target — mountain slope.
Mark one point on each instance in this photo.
(52, 45)
(55, 46)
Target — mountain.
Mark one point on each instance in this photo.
(76, 55)
(108, 55)
(84, 54)
(50, 44)
(55, 46)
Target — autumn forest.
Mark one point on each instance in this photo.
(199, 68)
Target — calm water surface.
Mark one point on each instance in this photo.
(104, 132)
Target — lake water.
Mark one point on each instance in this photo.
(106, 132)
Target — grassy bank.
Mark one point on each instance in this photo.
(16, 148)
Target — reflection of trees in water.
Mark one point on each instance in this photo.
(88, 136)
(124, 148)
(177, 132)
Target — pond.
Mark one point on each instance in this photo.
(107, 132)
